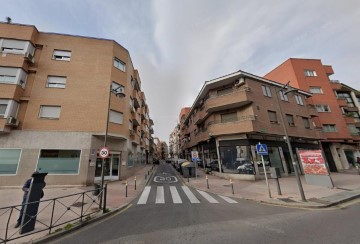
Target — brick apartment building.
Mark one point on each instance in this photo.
(56, 91)
(233, 113)
(337, 105)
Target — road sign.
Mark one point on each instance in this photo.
(262, 149)
(104, 152)
(194, 155)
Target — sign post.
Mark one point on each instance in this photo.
(262, 150)
(104, 152)
(194, 158)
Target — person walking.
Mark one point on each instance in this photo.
(25, 188)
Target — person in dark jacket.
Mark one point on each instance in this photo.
(25, 189)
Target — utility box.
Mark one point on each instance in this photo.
(275, 172)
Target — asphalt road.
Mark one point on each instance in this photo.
(171, 214)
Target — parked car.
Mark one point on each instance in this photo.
(245, 166)
(214, 165)
(156, 161)
(178, 164)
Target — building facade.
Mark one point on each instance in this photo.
(233, 113)
(336, 103)
(60, 96)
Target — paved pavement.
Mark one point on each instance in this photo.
(347, 187)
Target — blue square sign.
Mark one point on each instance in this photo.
(262, 149)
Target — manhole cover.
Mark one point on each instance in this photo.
(78, 204)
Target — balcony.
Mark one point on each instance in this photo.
(351, 109)
(11, 91)
(136, 98)
(231, 100)
(135, 138)
(349, 120)
(312, 111)
(199, 117)
(335, 85)
(243, 125)
(342, 102)
(14, 60)
(136, 119)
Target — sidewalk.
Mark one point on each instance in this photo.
(116, 200)
(347, 187)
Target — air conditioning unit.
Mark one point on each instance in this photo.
(239, 82)
(132, 132)
(12, 121)
(29, 57)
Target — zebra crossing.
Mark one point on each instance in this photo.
(195, 197)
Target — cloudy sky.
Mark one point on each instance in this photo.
(178, 45)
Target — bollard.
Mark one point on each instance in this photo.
(145, 176)
(207, 182)
(126, 189)
(148, 172)
(135, 182)
(232, 186)
(188, 178)
(278, 186)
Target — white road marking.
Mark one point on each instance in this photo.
(190, 195)
(228, 199)
(207, 197)
(144, 196)
(160, 195)
(175, 195)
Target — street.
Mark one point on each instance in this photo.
(169, 212)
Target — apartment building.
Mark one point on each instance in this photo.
(233, 113)
(336, 103)
(60, 97)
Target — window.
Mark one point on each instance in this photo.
(13, 46)
(299, 100)
(316, 90)
(290, 120)
(9, 160)
(266, 91)
(306, 122)
(119, 64)
(11, 75)
(115, 117)
(230, 117)
(353, 130)
(62, 55)
(322, 108)
(329, 128)
(59, 161)
(272, 117)
(50, 112)
(3, 106)
(224, 91)
(7, 78)
(347, 97)
(283, 96)
(56, 82)
(308, 72)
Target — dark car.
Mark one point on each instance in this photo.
(178, 164)
(214, 165)
(156, 161)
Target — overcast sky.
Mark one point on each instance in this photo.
(179, 44)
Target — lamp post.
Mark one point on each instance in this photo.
(118, 92)
(295, 164)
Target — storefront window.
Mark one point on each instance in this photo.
(59, 161)
(236, 159)
(9, 160)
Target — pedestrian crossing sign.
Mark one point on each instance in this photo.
(262, 149)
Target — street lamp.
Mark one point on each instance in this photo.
(295, 164)
(119, 91)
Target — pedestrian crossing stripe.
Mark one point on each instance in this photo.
(176, 199)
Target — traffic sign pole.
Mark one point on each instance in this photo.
(267, 183)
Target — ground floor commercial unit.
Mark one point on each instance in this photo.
(69, 158)
(340, 155)
(238, 156)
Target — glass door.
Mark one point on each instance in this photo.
(111, 167)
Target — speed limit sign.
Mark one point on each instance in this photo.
(104, 152)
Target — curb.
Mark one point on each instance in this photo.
(98, 217)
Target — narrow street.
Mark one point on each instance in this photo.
(169, 212)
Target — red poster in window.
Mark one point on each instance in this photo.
(313, 162)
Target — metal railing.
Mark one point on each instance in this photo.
(52, 213)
